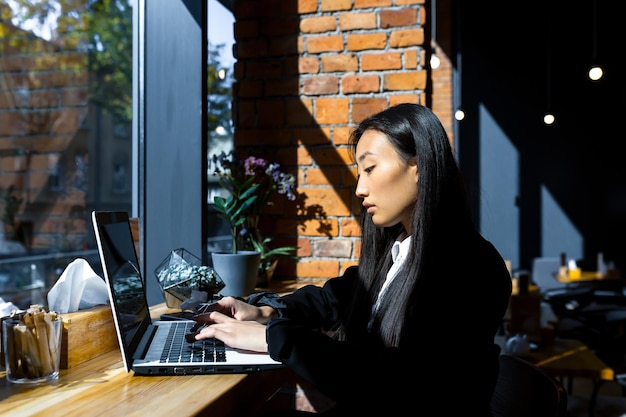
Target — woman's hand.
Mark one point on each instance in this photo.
(247, 335)
(241, 310)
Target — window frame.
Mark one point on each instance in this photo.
(170, 138)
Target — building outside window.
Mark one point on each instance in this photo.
(66, 143)
(65, 117)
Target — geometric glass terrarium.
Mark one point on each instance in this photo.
(183, 278)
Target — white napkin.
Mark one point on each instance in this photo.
(6, 307)
(78, 288)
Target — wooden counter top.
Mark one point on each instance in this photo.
(101, 386)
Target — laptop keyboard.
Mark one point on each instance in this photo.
(177, 349)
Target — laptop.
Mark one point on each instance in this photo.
(156, 347)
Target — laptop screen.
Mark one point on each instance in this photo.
(126, 286)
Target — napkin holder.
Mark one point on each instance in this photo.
(87, 334)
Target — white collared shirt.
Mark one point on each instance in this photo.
(399, 253)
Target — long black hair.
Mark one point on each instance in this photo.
(440, 211)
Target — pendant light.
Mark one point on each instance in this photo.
(549, 117)
(435, 62)
(595, 72)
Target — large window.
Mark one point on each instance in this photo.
(65, 134)
(103, 106)
(220, 126)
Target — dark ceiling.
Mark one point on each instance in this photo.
(547, 48)
(517, 61)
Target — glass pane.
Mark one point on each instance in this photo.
(65, 135)
(220, 79)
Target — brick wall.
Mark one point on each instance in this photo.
(307, 71)
(43, 101)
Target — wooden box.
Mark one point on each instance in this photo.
(87, 334)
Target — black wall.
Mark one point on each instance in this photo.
(516, 60)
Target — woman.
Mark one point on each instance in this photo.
(411, 330)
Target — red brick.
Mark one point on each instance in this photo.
(335, 5)
(343, 62)
(360, 84)
(318, 24)
(341, 135)
(307, 6)
(398, 17)
(361, 42)
(332, 110)
(312, 136)
(365, 107)
(244, 29)
(332, 156)
(381, 61)
(282, 88)
(308, 65)
(336, 248)
(299, 112)
(317, 85)
(403, 98)
(359, 4)
(318, 226)
(317, 176)
(319, 44)
(280, 27)
(350, 228)
(318, 269)
(408, 37)
(414, 80)
(352, 21)
(285, 45)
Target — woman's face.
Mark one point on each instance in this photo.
(387, 185)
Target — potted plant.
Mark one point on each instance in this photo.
(183, 278)
(250, 183)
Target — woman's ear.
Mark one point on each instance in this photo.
(413, 168)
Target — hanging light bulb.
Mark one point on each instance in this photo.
(548, 117)
(595, 73)
(459, 115)
(434, 60)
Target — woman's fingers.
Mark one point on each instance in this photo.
(248, 335)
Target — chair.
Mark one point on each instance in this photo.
(524, 390)
(591, 311)
(544, 272)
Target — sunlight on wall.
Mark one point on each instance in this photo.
(558, 233)
(498, 171)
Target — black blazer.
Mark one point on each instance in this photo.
(447, 360)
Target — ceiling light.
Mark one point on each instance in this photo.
(595, 73)
(434, 60)
(549, 118)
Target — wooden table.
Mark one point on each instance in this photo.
(591, 276)
(567, 358)
(101, 386)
